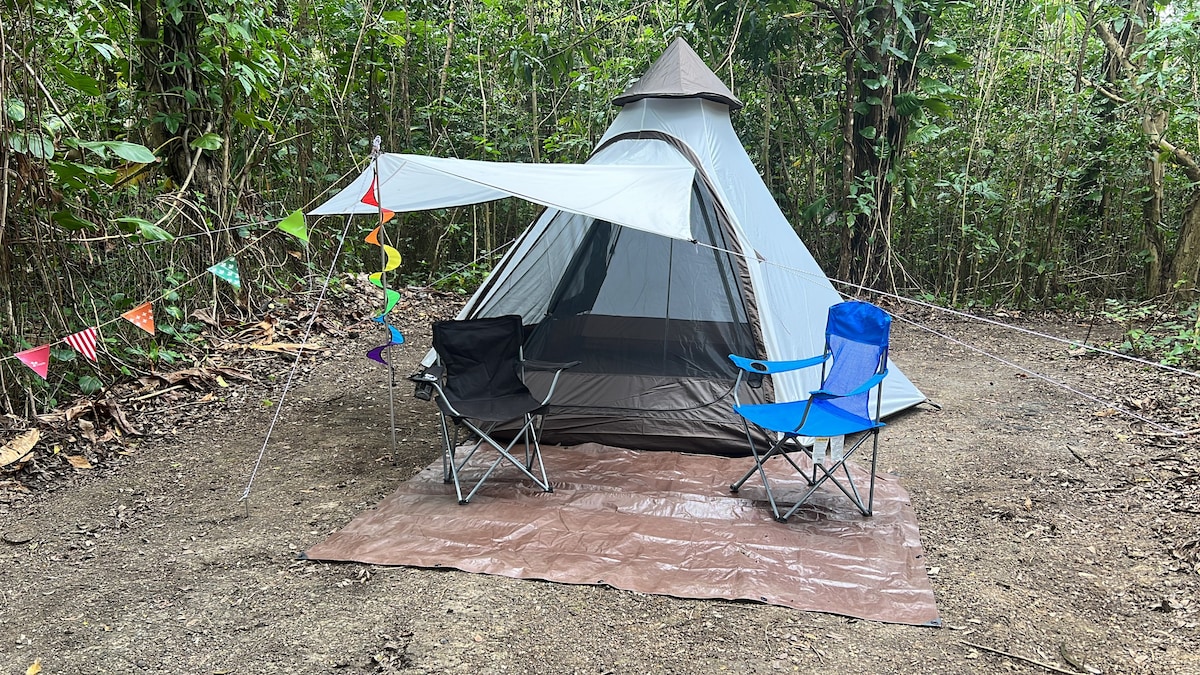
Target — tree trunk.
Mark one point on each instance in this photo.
(1152, 211)
(1185, 266)
(874, 134)
(846, 257)
(175, 93)
(1184, 269)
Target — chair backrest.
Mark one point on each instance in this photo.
(856, 334)
(481, 356)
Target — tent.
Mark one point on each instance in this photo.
(651, 263)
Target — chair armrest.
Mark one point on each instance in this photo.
(761, 367)
(546, 365)
(863, 388)
(556, 368)
(430, 374)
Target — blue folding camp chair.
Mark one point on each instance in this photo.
(854, 363)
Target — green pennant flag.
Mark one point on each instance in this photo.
(294, 225)
(227, 270)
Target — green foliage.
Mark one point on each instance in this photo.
(1168, 335)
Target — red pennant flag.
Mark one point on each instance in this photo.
(141, 316)
(38, 359)
(84, 342)
(369, 198)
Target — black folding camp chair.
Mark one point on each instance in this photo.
(478, 386)
(853, 364)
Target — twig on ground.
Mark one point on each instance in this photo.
(1018, 657)
(1086, 462)
(1183, 432)
(153, 394)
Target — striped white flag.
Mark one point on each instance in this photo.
(84, 342)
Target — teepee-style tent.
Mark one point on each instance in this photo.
(652, 262)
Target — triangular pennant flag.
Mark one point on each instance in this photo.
(84, 342)
(369, 198)
(373, 238)
(385, 215)
(295, 226)
(141, 316)
(38, 359)
(227, 270)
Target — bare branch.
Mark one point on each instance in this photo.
(1114, 47)
(1100, 89)
(1180, 156)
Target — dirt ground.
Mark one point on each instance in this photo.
(1055, 532)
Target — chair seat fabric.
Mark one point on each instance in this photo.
(498, 409)
(824, 419)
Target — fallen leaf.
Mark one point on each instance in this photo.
(19, 447)
(118, 416)
(79, 461)
(34, 668)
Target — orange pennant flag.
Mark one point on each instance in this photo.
(141, 316)
(385, 215)
(38, 359)
(373, 238)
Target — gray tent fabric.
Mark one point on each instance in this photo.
(679, 73)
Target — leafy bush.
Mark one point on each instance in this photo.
(1170, 335)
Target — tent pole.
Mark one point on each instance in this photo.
(391, 386)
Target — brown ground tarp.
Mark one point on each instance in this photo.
(657, 522)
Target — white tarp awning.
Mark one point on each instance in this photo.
(654, 199)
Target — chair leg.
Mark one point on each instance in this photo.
(537, 454)
(758, 467)
(506, 454)
(449, 460)
(851, 492)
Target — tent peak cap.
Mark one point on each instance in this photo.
(679, 73)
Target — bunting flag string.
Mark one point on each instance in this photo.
(38, 359)
(84, 342)
(392, 261)
(227, 269)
